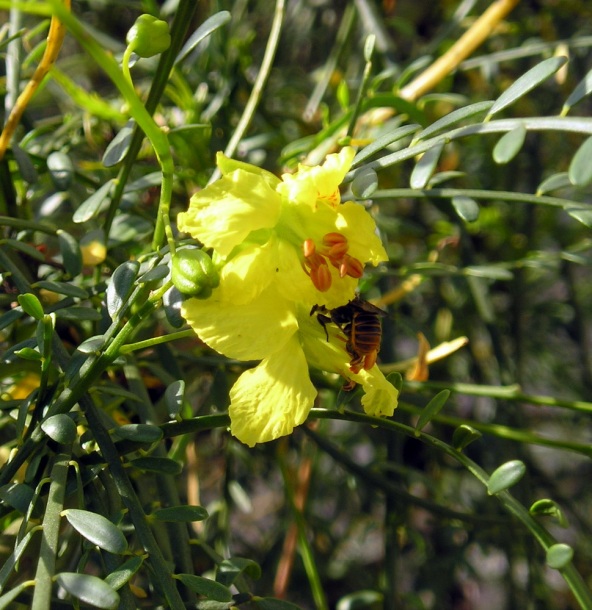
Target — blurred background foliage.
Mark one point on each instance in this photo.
(341, 514)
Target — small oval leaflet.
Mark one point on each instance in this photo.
(361, 599)
(505, 476)
(549, 508)
(559, 555)
(61, 170)
(141, 433)
(157, 464)
(31, 305)
(580, 168)
(431, 410)
(466, 208)
(463, 436)
(71, 255)
(95, 204)
(230, 569)
(97, 529)
(181, 514)
(509, 145)
(426, 166)
(553, 183)
(121, 286)
(124, 572)
(89, 589)
(174, 397)
(206, 587)
(119, 145)
(529, 80)
(60, 428)
(365, 182)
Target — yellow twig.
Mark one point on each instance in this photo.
(460, 50)
(443, 66)
(55, 38)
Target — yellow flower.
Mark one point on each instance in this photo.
(283, 246)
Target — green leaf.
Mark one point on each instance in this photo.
(172, 301)
(60, 428)
(580, 168)
(463, 436)
(554, 183)
(89, 589)
(154, 275)
(7, 599)
(361, 600)
(128, 228)
(549, 508)
(61, 170)
(71, 255)
(28, 353)
(431, 410)
(509, 145)
(206, 587)
(383, 141)
(97, 529)
(453, 118)
(144, 183)
(491, 272)
(158, 465)
(12, 315)
(119, 145)
(79, 313)
(140, 433)
(270, 603)
(65, 288)
(583, 88)
(96, 203)
(91, 345)
(181, 514)
(365, 182)
(559, 555)
(203, 31)
(17, 495)
(27, 249)
(230, 569)
(120, 287)
(581, 214)
(25, 166)
(528, 81)
(174, 397)
(505, 476)
(31, 305)
(426, 166)
(466, 208)
(124, 572)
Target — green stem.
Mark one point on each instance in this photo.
(49, 540)
(258, 86)
(157, 137)
(160, 570)
(545, 539)
(147, 343)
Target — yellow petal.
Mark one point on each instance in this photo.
(250, 331)
(223, 214)
(360, 229)
(267, 402)
(381, 397)
(228, 165)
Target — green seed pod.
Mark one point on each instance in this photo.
(194, 273)
(149, 36)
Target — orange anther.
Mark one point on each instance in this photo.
(330, 239)
(308, 247)
(351, 266)
(321, 277)
(336, 252)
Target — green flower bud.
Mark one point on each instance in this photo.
(148, 36)
(194, 273)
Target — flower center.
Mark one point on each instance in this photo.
(334, 251)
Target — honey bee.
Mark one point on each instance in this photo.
(360, 322)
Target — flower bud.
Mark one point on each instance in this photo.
(194, 273)
(148, 36)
